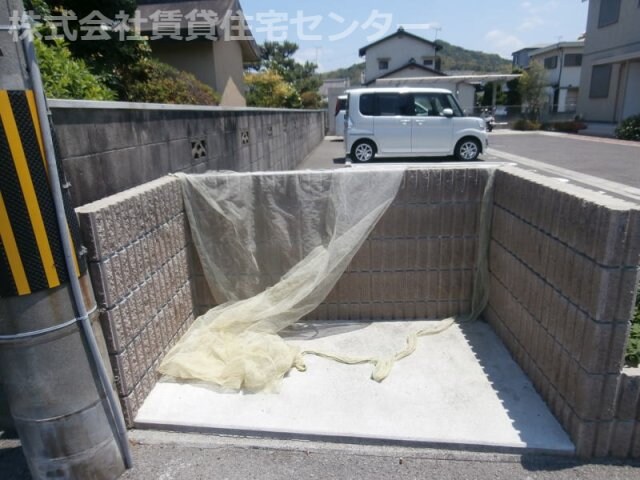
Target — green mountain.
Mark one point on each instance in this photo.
(458, 58)
(453, 58)
(354, 72)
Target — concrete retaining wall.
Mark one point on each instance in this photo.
(564, 269)
(108, 147)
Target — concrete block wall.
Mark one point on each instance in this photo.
(108, 147)
(564, 266)
(564, 270)
(418, 263)
(138, 244)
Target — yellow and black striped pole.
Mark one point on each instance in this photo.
(31, 254)
(57, 387)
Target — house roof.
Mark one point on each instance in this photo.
(408, 66)
(401, 32)
(531, 48)
(250, 49)
(557, 46)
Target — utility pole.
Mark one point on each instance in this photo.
(438, 30)
(58, 390)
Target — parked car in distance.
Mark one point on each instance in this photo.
(410, 122)
(341, 108)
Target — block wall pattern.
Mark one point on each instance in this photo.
(138, 246)
(105, 151)
(564, 271)
(419, 261)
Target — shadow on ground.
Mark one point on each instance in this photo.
(435, 160)
(13, 465)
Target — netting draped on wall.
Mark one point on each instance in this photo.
(272, 248)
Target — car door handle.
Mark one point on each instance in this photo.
(405, 122)
(420, 123)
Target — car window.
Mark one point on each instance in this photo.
(391, 104)
(434, 104)
(368, 104)
(453, 104)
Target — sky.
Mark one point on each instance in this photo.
(330, 32)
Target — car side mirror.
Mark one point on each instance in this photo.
(447, 112)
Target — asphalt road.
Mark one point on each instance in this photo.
(171, 456)
(612, 160)
(597, 163)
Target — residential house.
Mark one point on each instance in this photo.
(521, 58)
(563, 64)
(218, 53)
(401, 54)
(403, 58)
(610, 82)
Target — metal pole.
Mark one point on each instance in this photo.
(56, 190)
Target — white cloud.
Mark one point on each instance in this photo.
(534, 13)
(503, 43)
(530, 23)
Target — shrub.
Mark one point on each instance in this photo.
(311, 100)
(633, 347)
(156, 82)
(569, 127)
(629, 129)
(523, 124)
(66, 77)
(268, 89)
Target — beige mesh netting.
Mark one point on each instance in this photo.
(272, 247)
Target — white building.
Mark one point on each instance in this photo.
(400, 50)
(522, 57)
(403, 58)
(563, 64)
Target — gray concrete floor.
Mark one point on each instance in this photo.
(460, 388)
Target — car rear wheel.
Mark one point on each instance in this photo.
(363, 151)
(467, 150)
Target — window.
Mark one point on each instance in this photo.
(600, 80)
(551, 62)
(573, 60)
(427, 62)
(433, 104)
(368, 104)
(383, 64)
(609, 12)
(385, 104)
(391, 104)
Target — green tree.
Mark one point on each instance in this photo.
(268, 89)
(513, 96)
(487, 98)
(109, 58)
(66, 77)
(532, 85)
(156, 82)
(278, 57)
